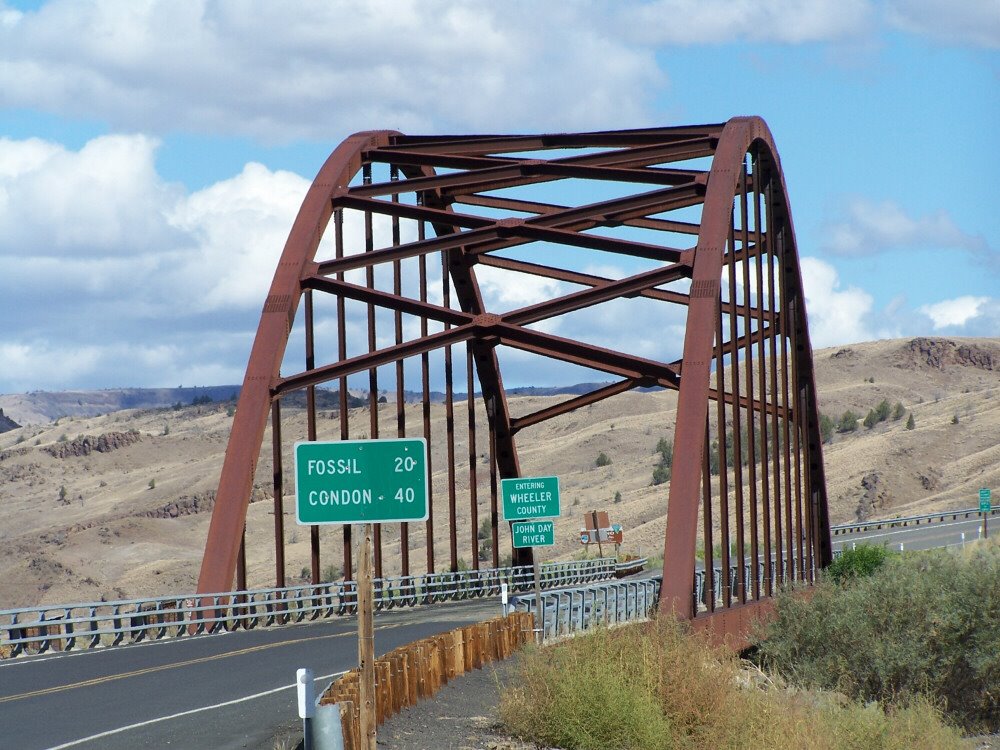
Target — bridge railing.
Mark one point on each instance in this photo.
(888, 523)
(568, 611)
(764, 572)
(100, 624)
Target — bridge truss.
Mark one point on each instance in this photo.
(420, 269)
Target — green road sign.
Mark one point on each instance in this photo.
(534, 533)
(984, 501)
(361, 481)
(529, 498)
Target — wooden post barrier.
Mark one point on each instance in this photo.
(418, 670)
(350, 725)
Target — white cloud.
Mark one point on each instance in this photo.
(836, 315)
(281, 73)
(968, 22)
(239, 227)
(956, 312)
(721, 21)
(104, 199)
(106, 268)
(869, 227)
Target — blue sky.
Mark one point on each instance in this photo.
(153, 154)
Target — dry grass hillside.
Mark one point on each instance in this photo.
(118, 505)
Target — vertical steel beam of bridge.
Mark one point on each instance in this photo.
(253, 408)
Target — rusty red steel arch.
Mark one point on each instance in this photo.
(536, 216)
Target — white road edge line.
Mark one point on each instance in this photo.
(874, 535)
(110, 732)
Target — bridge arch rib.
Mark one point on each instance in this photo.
(435, 260)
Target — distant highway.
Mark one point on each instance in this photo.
(216, 691)
(924, 536)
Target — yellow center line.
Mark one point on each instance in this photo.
(176, 665)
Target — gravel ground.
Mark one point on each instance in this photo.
(462, 716)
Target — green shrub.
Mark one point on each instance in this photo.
(910, 423)
(848, 422)
(602, 460)
(897, 412)
(826, 428)
(921, 624)
(871, 420)
(859, 562)
(485, 530)
(661, 474)
(666, 450)
(883, 410)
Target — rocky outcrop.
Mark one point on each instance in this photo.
(84, 446)
(875, 498)
(201, 502)
(13, 453)
(930, 479)
(939, 354)
(184, 506)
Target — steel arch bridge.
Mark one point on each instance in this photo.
(382, 281)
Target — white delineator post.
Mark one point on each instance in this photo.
(307, 704)
(539, 622)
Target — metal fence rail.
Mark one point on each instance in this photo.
(568, 611)
(777, 579)
(948, 515)
(98, 624)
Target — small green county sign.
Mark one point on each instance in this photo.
(361, 481)
(527, 498)
(984, 501)
(534, 533)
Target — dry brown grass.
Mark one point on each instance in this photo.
(654, 686)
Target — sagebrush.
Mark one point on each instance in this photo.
(922, 624)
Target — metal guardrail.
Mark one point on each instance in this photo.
(764, 573)
(99, 624)
(888, 523)
(568, 611)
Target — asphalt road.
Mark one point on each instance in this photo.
(232, 690)
(924, 536)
